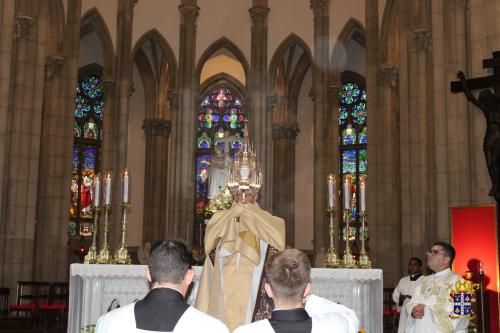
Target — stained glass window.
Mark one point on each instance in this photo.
(353, 138)
(87, 129)
(220, 121)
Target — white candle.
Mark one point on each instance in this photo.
(347, 193)
(481, 271)
(330, 185)
(362, 196)
(107, 188)
(97, 190)
(125, 180)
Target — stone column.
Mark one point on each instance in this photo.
(320, 9)
(51, 255)
(23, 93)
(284, 135)
(115, 134)
(181, 207)
(384, 211)
(7, 46)
(451, 112)
(259, 116)
(156, 179)
(417, 169)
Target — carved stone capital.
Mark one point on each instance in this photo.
(189, 14)
(271, 101)
(23, 27)
(131, 89)
(422, 39)
(258, 15)
(160, 127)
(285, 131)
(458, 4)
(319, 7)
(173, 98)
(311, 93)
(53, 66)
(107, 85)
(334, 92)
(387, 75)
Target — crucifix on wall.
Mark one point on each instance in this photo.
(489, 103)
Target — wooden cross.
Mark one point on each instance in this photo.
(489, 104)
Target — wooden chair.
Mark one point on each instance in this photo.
(4, 300)
(29, 295)
(53, 313)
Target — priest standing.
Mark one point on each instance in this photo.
(430, 309)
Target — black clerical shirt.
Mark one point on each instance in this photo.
(291, 321)
(160, 310)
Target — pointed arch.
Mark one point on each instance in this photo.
(221, 43)
(291, 40)
(352, 30)
(93, 21)
(389, 46)
(155, 36)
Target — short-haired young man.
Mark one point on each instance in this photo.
(430, 307)
(163, 309)
(288, 284)
(405, 289)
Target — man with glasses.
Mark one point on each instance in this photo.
(430, 307)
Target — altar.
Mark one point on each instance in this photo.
(96, 289)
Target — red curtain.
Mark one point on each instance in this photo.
(474, 236)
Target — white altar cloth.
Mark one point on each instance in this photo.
(96, 288)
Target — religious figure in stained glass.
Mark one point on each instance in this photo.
(88, 113)
(220, 131)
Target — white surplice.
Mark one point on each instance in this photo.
(122, 320)
(404, 287)
(434, 292)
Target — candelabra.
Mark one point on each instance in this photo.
(331, 258)
(121, 255)
(348, 260)
(104, 256)
(91, 257)
(364, 261)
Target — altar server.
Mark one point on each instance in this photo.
(164, 308)
(288, 284)
(405, 289)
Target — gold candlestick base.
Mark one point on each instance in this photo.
(331, 258)
(348, 260)
(364, 261)
(122, 256)
(91, 256)
(104, 256)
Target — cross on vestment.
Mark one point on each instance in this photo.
(489, 104)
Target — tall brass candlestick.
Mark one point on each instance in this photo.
(348, 259)
(364, 261)
(91, 257)
(331, 258)
(121, 255)
(104, 256)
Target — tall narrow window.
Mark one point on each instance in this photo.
(220, 121)
(353, 136)
(87, 133)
